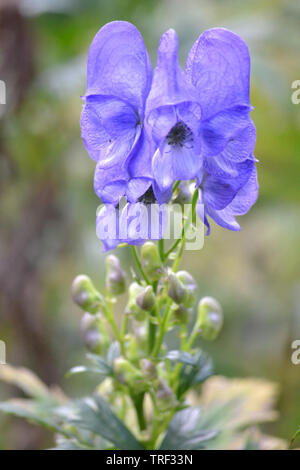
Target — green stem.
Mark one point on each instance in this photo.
(124, 326)
(173, 247)
(138, 401)
(163, 328)
(192, 338)
(139, 265)
(161, 250)
(190, 218)
(111, 321)
(151, 335)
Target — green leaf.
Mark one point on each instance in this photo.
(26, 380)
(195, 368)
(62, 443)
(28, 409)
(100, 367)
(184, 432)
(95, 415)
(181, 356)
(103, 366)
(113, 352)
(295, 436)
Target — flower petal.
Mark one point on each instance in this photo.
(219, 192)
(110, 183)
(224, 128)
(170, 90)
(240, 205)
(218, 65)
(119, 65)
(109, 128)
(162, 166)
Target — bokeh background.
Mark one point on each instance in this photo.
(48, 205)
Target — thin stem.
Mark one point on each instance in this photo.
(124, 326)
(139, 265)
(176, 186)
(173, 247)
(190, 218)
(151, 334)
(179, 255)
(138, 401)
(163, 328)
(161, 250)
(192, 338)
(111, 321)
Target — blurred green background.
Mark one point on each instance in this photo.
(48, 205)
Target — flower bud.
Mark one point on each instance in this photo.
(146, 299)
(95, 340)
(85, 294)
(176, 290)
(106, 388)
(190, 288)
(151, 260)
(115, 276)
(165, 397)
(149, 370)
(132, 307)
(128, 375)
(210, 318)
(181, 314)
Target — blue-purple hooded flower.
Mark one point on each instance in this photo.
(119, 76)
(147, 130)
(173, 114)
(218, 66)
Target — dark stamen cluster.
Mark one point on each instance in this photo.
(180, 134)
(148, 197)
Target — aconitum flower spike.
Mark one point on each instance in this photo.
(147, 131)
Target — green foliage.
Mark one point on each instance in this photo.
(96, 416)
(142, 399)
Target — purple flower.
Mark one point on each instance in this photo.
(218, 66)
(119, 77)
(131, 223)
(173, 114)
(147, 131)
(224, 198)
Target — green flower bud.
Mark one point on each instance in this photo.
(93, 336)
(115, 276)
(132, 307)
(210, 318)
(182, 314)
(190, 288)
(128, 375)
(176, 290)
(165, 397)
(106, 388)
(151, 260)
(140, 334)
(86, 295)
(146, 299)
(148, 369)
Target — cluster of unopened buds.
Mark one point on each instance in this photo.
(161, 299)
